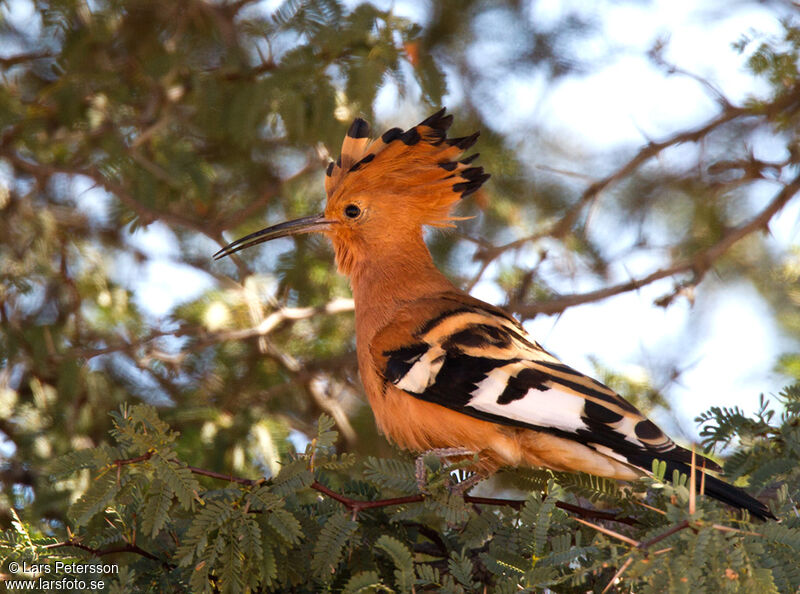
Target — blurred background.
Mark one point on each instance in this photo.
(641, 218)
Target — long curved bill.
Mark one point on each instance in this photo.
(296, 227)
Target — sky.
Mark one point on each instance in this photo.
(732, 360)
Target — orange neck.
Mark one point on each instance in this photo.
(385, 282)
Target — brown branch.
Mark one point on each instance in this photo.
(699, 263)
(659, 537)
(251, 209)
(357, 505)
(596, 514)
(22, 58)
(224, 477)
(136, 460)
(193, 469)
(145, 213)
(127, 548)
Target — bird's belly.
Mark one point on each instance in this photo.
(417, 425)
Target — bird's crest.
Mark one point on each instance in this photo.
(419, 166)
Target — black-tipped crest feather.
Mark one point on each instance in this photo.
(425, 142)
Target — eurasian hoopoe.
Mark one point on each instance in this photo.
(441, 369)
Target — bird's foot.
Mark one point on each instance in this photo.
(442, 454)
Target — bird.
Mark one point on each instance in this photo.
(443, 371)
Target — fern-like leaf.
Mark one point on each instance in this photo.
(330, 545)
(396, 475)
(402, 559)
(99, 494)
(462, 568)
(285, 525)
(292, 478)
(365, 582)
(326, 435)
(71, 462)
(179, 478)
(156, 509)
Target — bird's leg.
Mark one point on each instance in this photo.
(442, 454)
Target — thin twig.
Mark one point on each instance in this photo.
(609, 532)
(205, 338)
(127, 548)
(224, 477)
(617, 575)
(22, 58)
(596, 514)
(722, 528)
(357, 505)
(666, 534)
(693, 484)
(136, 460)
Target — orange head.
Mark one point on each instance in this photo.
(382, 192)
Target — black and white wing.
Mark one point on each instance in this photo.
(474, 358)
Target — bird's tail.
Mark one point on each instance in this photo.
(724, 492)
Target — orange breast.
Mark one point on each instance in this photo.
(417, 425)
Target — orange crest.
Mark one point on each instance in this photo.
(416, 171)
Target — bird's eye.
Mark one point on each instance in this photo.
(351, 211)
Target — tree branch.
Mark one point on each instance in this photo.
(788, 102)
(136, 460)
(205, 339)
(357, 505)
(225, 477)
(244, 214)
(127, 548)
(699, 263)
(22, 58)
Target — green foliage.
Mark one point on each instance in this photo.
(330, 545)
(776, 56)
(401, 558)
(770, 437)
(238, 535)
